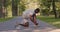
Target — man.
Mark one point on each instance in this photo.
(29, 14)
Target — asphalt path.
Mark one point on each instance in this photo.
(9, 26)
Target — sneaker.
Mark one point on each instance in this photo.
(25, 25)
(36, 23)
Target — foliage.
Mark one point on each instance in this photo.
(0, 3)
(45, 6)
(21, 6)
(45, 12)
(7, 3)
(46, 3)
(50, 5)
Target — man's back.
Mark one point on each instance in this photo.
(28, 12)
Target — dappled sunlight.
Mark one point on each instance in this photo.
(10, 31)
(45, 29)
(55, 30)
(36, 31)
(48, 28)
(50, 20)
(57, 22)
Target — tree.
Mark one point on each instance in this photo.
(14, 7)
(54, 8)
(3, 8)
(22, 6)
(17, 4)
(58, 9)
(45, 5)
(0, 8)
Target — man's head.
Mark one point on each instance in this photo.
(37, 10)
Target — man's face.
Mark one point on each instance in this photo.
(36, 11)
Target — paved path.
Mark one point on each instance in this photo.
(9, 26)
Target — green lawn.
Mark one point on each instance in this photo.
(51, 20)
(5, 19)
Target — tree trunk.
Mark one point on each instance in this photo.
(0, 8)
(3, 11)
(14, 8)
(54, 8)
(59, 15)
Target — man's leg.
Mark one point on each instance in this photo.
(25, 23)
(33, 19)
(34, 22)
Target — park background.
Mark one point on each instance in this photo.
(49, 10)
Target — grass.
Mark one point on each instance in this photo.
(5, 19)
(51, 20)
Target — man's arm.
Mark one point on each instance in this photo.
(33, 19)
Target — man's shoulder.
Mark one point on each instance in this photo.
(29, 10)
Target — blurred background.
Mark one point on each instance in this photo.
(50, 9)
(9, 8)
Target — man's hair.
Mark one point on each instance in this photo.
(37, 10)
